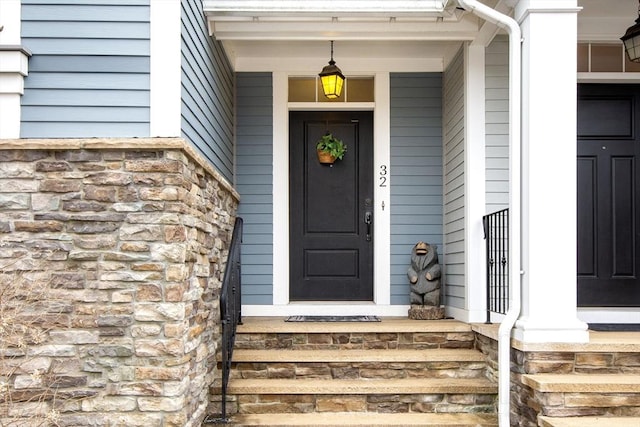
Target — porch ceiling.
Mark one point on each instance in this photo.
(292, 35)
(271, 35)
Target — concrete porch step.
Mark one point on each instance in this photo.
(351, 419)
(260, 333)
(396, 372)
(584, 400)
(588, 421)
(366, 387)
(586, 383)
(421, 395)
(264, 325)
(354, 364)
(406, 355)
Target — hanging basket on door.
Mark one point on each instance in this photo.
(330, 149)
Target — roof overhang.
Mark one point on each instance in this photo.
(275, 34)
(270, 35)
(334, 19)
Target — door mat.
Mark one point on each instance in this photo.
(332, 319)
(615, 327)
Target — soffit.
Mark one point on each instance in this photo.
(278, 33)
(605, 20)
(292, 33)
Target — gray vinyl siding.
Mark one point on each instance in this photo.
(497, 124)
(207, 91)
(89, 73)
(254, 178)
(454, 183)
(416, 171)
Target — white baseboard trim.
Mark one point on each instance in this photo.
(464, 315)
(326, 309)
(609, 314)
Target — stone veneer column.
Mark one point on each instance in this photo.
(125, 241)
(549, 312)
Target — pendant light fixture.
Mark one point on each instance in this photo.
(631, 40)
(332, 78)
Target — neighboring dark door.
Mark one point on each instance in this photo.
(331, 240)
(608, 195)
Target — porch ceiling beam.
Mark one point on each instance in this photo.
(251, 8)
(313, 30)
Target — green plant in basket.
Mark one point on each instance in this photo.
(332, 145)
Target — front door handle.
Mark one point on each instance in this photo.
(368, 219)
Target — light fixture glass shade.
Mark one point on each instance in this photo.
(332, 80)
(631, 40)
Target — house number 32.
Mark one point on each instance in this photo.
(384, 171)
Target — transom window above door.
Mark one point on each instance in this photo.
(604, 58)
(309, 89)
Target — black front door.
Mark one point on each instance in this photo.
(608, 195)
(331, 222)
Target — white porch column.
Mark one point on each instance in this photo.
(13, 68)
(549, 311)
(474, 161)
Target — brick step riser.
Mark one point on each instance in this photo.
(376, 403)
(358, 370)
(353, 341)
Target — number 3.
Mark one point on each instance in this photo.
(383, 175)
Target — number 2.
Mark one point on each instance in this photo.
(383, 175)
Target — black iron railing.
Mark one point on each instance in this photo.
(230, 313)
(496, 234)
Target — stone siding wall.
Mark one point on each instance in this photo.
(112, 253)
(527, 404)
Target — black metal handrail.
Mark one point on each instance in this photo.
(496, 234)
(230, 312)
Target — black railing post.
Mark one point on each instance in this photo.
(230, 314)
(496, 234)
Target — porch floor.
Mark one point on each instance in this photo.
(598, 341)
(262, 325)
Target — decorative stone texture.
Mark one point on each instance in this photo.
(417, 312)
(122, 244)
(355, 340)
(357, 369)
(379, 403)
(528, 404)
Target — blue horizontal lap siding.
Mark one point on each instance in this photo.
(207, 91)
(453, 164)
(497, 129)
(254, 178)
(416, 171)
(89, 73)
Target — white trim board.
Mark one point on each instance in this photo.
(609, 314)
(325, 309)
